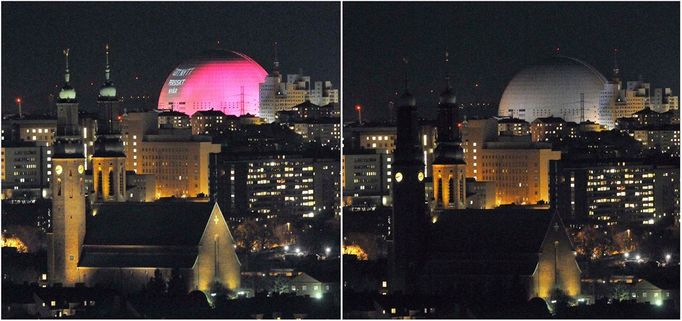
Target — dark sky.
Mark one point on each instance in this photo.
(490, 42)
(149, 39)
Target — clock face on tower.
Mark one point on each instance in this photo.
(398, 177)
(420, 176)
(58, 169)
(81, 169)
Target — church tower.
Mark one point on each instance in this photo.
(108, 160)
(68, 193)
(449, 168)
(409, 210)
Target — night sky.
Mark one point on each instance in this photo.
(490, 42)
(149, 39)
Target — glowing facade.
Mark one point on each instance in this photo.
(68, 191)
(519, 168)
(219, 79)
(126, 243)
(108, 159)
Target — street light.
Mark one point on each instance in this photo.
(286, 248)
(668, 257)
(327, 250)
(627, 255)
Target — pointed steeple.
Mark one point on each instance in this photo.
(448, 95)
(406, 99)
(107, 68)
(275, 69)
(67, 73)
(447, 69)
(107, 91)
(67, 93)
(616, 70)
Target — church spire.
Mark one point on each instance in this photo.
(67, 73)
(406, 78)
(275, 69)
(108, 90)
(447, 69)
(67, 93)
(448, 95)
(616, 70)
(406, 99)
(107, 68)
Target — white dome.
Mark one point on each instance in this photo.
(553, 88)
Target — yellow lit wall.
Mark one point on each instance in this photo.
(444, 173)
(181, 168)
(520, 175)
(217, 259)
(114, 190)
(557, 255)
(68, 217)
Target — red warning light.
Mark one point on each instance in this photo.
(358, 107)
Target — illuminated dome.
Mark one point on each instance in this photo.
(216, 79)
(108, 90)
(67, 93)
(553, 88)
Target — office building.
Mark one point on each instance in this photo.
(519, 168)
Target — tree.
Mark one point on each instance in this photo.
(157, 284)
(176, 284)
(280, 284)
(253, 236)
(219, 294)
(619, 292)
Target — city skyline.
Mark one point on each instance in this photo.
(488, 43)
(340, 160)
(146, 46)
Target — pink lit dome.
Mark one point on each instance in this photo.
(217, 79)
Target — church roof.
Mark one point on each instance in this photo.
(148, 224)
(112, 257)
(500, 231)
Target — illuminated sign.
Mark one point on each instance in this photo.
(227, 81)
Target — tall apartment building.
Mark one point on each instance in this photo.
(637, 95)
(609, 192)
(26, 170)
(274, 185)
(367, 177)
(275, 94)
